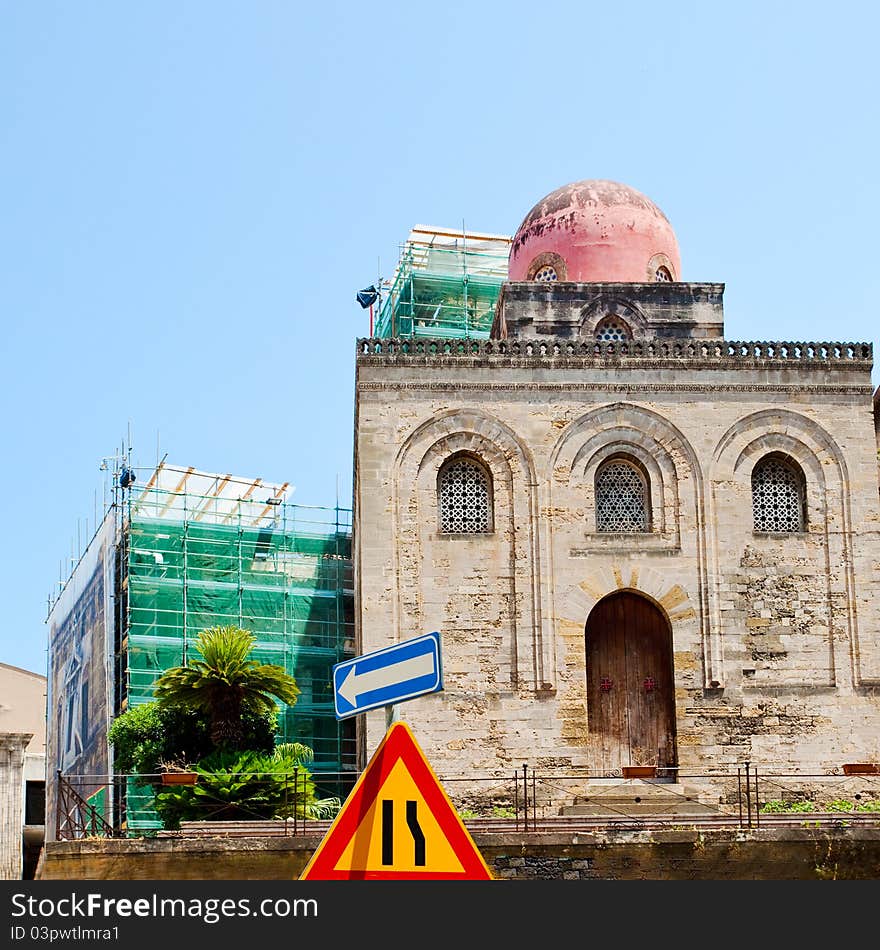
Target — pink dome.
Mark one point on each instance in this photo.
(595, 231)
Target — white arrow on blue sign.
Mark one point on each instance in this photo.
(403, 671)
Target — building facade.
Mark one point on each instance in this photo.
(641, 542)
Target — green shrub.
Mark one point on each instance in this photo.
(839, 805)
(778, 805)
(145, 736)
(844, 804)
(247, 786)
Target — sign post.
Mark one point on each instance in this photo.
(397, 823)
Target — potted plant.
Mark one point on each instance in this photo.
(174, 773)
(644, 764)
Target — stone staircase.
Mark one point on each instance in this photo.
(643, 798)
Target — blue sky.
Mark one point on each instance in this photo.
(192, 193)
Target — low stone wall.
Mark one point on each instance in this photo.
(766, 854)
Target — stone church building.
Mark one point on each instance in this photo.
(642, 543)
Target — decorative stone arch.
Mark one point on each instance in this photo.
(805, 442)
(608, 305)
(677, 492)
(802, 455)
(418, 461)
(548, 259)
(463, 445)
(678, 606)
(681, 610)
(622, 428)
(630, 684)
(660, 262)
(653, 457)
(784, 432)
(777, 429)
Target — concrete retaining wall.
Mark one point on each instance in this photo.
(767, 854)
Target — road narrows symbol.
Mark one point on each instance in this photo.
(388, 831)
(412, 822)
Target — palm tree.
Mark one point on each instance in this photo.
(226, 683)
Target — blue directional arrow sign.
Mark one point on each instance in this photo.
(403, 671)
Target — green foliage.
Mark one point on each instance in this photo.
(221, 713)
(778, 805)
(247, 786)
(495, 811)
(839, 805)
(844, 804)
(226, 684)
(148, 735)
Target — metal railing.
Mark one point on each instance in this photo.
(531, 801)
(75, 816)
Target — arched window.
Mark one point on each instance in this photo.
(546, 274)
(547, 268)
(464, 496)
(612, 329)
(778, 492)
(662, 275)
(622, 498)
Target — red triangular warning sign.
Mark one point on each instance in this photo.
(397, 824)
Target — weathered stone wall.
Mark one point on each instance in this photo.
(776, 639)
(790, 854)
(573, 310)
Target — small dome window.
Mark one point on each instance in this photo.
(612, 330)
(662, 275)
(547, 268)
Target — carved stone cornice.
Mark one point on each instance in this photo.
(633, 354)
(571, 387)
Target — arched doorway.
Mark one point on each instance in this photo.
(630, 683)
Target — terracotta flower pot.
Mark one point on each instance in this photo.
(861, 768)
(639, 771)
(180, 778)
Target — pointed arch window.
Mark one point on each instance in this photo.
(464, 496)
(622, 498)
(778, 494)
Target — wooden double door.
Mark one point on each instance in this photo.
(630, 684)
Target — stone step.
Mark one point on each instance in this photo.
(628, 809)
(641, 797)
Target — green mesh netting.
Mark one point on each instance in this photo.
(291, 588)
(442, 293)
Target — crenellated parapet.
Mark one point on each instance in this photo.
(588, 353)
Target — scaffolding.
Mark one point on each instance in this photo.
(445, 285)
(199, 550)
